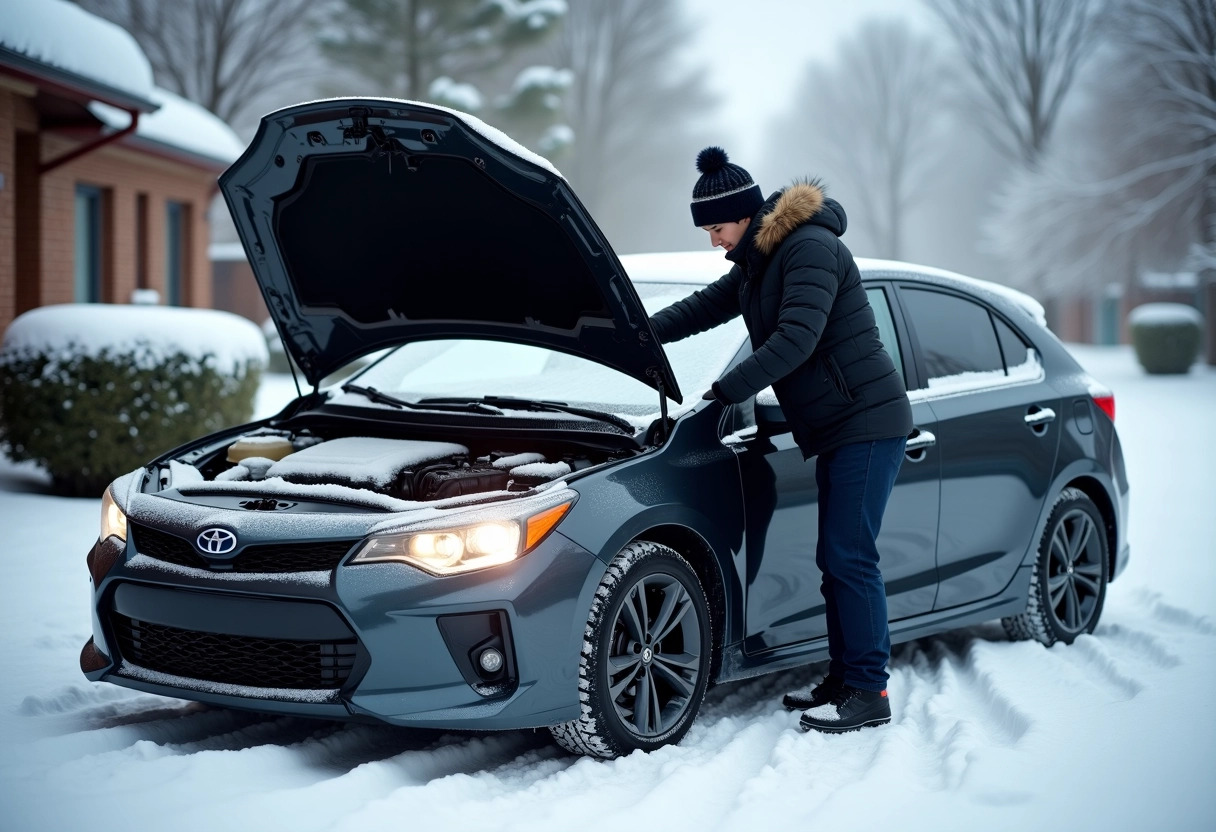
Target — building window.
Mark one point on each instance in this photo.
(88, 244)
(141, 241)
(176, 229)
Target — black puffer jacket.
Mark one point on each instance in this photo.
(813, 334)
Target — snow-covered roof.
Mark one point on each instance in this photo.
(178, 124)
(84, 50)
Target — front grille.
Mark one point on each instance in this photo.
(235, 660)
(316, 556)
(293, 557)
(166, 547)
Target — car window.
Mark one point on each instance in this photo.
(957, 340)
(1016, 351)
(886, 328)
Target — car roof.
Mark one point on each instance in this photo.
(697, 268)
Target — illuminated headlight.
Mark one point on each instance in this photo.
(455, 550)
(113, 521)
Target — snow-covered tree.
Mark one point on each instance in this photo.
(404, 46)
(217, 53)
(1024, 56)
(873, 123)
(630, 106)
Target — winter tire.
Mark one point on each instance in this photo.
(1068, 586)
(646, 656)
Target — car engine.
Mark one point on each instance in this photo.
(405, 469)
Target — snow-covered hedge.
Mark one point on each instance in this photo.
(91, 391)
(1166, 336)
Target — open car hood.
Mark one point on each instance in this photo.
(373, 222)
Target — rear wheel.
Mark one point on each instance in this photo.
(1068, 587)
(646, 654)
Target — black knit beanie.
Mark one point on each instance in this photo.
(725, 192)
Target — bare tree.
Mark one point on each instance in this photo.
(222, 54)
(1024, 55)
(628, 99)
(1142, 193)
(872, 122)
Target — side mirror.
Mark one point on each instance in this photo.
(769, 417)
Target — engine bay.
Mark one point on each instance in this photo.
(413, 470)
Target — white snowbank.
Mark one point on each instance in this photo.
(178, 123)
(362, 459)
(65, 36)
(225, 341)
(1164, 314)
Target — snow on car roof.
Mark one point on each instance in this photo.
(700, 267)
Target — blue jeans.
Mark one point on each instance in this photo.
(855, 482)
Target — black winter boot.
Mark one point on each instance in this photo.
(849, 709)
(821, 694)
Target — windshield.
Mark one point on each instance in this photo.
(474, 368)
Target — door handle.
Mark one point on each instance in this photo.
(1038, 418)
(918, 442)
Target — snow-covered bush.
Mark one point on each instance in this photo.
(91, 391)
(1166, 336)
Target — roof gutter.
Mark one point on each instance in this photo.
(48, 166)
(71, 84)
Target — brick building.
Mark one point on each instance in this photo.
(105, 179)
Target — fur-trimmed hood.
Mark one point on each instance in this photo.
(801, 203)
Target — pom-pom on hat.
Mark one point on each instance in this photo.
(725, 192)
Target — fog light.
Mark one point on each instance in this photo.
(490, 660)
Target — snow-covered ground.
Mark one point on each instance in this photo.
(1111, 733)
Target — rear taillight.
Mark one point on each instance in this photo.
(1107, 403)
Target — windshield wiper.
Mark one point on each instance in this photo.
(511, 402)
(372, 394)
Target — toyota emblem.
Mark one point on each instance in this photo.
(216, 541)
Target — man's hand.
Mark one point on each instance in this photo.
(715, 392)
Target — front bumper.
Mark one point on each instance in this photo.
(370, 635)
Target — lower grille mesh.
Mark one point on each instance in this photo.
(235, 660)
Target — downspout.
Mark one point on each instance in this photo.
(47, 167)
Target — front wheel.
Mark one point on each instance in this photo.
(1068, 587)
(646, 655)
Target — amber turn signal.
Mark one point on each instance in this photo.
(539, 525)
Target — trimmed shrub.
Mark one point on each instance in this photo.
(1166, 336)
(92, 391)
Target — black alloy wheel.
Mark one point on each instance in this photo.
(645, 663)
(1069, 583)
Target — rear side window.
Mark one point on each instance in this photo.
(1016, 351)
(957, 339)
(886, 328)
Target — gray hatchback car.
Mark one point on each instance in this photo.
(510, 519)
